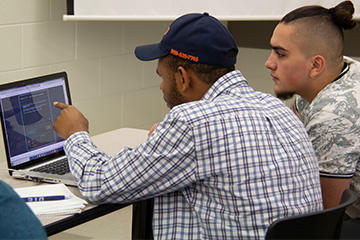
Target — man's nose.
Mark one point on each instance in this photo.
(270, 64)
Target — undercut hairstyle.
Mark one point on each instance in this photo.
(322, 27)
(206, 73)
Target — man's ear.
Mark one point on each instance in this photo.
(183, 79)
(318, 66)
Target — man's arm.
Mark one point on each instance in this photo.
(332, 189)
(335, 140)
(164, 163)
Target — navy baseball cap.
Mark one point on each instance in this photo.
(196, 37)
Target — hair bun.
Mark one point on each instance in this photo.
(332, 10)
(342, 15)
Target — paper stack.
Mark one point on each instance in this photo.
(71, 205)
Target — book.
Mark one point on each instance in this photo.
(71, 204)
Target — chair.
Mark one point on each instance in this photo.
(325, 224)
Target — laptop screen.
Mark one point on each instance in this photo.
(28, 115)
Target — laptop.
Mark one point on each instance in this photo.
(34, 151)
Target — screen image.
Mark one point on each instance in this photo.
(28, 116)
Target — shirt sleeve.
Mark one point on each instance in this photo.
(164, 163)
(336, 143)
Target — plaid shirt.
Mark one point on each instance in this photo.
(224, 167)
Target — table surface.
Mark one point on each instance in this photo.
(110, 142)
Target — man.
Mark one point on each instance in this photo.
(17, 221)
(307, 59)
(223, 164)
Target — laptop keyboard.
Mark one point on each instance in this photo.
(60, 167)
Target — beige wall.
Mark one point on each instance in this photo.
(108, 84)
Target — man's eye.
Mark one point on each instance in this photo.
(279, 54)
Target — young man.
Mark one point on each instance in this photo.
(225, 162)
(307, 59)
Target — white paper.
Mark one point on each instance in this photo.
(49, 208)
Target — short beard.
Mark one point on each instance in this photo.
(175, 97)
(284, 95)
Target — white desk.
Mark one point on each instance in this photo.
(110, 142)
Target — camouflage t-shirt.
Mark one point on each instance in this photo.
(332, 121)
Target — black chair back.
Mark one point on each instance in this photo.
(325, 224)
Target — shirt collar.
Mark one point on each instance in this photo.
(223, 83)
(345, 69)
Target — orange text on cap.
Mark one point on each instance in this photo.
(184, 55)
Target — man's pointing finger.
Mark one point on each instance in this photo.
(60, 105)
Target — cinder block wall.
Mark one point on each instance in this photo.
(108, 84)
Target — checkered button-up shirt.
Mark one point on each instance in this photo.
(224, 167)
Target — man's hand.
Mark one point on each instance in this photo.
(152, 129)
(69, 121)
